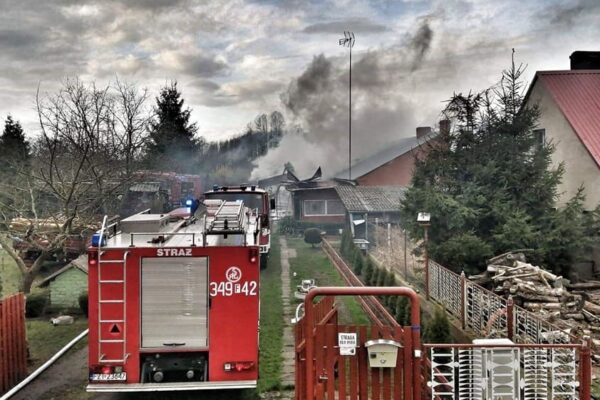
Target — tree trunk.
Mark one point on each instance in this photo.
(28, 278)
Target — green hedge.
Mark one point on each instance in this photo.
(35, 303)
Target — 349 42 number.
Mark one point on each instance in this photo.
(229, 288)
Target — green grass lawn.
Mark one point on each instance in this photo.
(45, 340)
(312, 263)
(271, 322)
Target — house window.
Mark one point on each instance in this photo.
(335, 207)
(540, 138)
(323, 207)
(315, 207)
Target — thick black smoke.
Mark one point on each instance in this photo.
(420, 44)
(382, 107)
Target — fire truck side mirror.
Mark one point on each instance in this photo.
(272, 204)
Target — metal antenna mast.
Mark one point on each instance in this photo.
(348, 41)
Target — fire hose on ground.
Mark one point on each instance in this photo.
(45, 366)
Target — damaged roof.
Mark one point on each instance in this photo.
(368, 199)
(391, 152)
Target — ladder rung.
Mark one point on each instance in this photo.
(112, 361)
(112, 340)
(111, 301)
(111, 321)
(112, 281)
(111, 261)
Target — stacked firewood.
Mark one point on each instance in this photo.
(572, 306)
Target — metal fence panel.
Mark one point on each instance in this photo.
(503, 373)
(445, 287)
(485, 311)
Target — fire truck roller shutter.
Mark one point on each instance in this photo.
(174, 310)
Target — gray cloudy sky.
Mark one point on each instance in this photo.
(234, 59)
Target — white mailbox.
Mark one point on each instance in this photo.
(383, 353)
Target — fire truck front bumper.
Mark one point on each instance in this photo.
(172, 386)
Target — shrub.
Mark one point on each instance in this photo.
(381, 277)
(358, 262)
(368, 271)
(83, 303)
(390, 280)
(312, 236)
(346, 245)
(438, 328)
(374, 276)
(400, 312)
(36, 302)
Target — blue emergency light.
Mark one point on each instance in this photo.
(189, 202)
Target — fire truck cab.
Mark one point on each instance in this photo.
(174, 300)
(255, 198)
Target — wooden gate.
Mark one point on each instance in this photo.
(13, 345)
(323, 373)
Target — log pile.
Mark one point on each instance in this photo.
(574, 307)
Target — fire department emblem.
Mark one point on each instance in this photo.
(233, 274)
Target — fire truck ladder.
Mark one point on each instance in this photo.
(227, 220)
(109, 334)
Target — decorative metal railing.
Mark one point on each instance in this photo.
(445, 286)
(505, 372)
(529, 328)
(488, 314)
(485, 312)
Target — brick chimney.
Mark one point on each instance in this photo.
(423, 131)
(445, 126)
(585, 60)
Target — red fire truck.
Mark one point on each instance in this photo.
(255, 198)
(174, 300)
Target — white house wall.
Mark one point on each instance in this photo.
(580, 168)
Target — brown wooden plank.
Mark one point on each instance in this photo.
(330, 359)
(23, 337)
(319, 361)
(3, 366)
(363, 369)
(398, 383)
(342, 365)
(408, 365)
(353, 369)
(320, 392)
(386, 388)
(375, 372)
(11, 341)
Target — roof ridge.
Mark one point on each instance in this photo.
(569, 72)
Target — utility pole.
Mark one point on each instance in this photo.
(348, 41)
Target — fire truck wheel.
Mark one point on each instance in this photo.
(263, 260)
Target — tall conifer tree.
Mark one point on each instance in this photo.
(173, 145)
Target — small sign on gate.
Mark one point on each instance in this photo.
(348, 343)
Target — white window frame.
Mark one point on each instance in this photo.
(540, 134)
(304, 202)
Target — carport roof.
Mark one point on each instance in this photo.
(369, 199)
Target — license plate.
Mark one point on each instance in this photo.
(121, 376)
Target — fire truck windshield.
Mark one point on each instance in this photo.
(251, 200)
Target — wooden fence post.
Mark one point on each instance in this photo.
(585, 365)
(510, 318)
